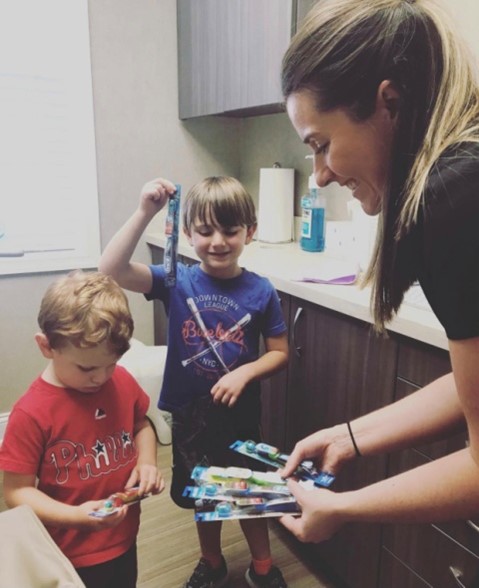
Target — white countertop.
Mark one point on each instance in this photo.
(283, 263)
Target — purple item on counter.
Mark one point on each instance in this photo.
(339, 281)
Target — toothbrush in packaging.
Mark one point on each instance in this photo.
(273, 456)
(171, 231)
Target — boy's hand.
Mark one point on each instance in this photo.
(154, 195)
(88, 523)
(148, 478)
(229, 388)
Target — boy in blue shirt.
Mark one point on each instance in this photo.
(217, 313)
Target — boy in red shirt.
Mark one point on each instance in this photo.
(80, 432)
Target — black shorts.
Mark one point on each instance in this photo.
(121, 572)
(202, 433)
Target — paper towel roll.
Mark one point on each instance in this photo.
(276, 205)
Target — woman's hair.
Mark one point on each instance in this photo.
(86, 309)
(219, 200)
(341, 54)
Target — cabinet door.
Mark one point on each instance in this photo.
(273, 395)
(395, 573)
(465, 533)
(432, 556)
(446, 554)
(340, 370)
(419, 363)
(229, 54)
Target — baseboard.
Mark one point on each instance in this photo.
(3, 422)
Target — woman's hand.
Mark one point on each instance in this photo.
(329, 449)
(319, 518)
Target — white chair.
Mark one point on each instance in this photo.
(29, 556)
(146, 363)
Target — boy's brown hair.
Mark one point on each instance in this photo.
(86, 309)
(219, 200)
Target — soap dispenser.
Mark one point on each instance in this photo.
(312, 218)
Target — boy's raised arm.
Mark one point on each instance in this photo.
(116, 257)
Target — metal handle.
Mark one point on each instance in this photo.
(457, 575)
(472, 525)
(297, 348)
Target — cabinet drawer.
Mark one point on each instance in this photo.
(395, 573)
(466, 533)
(452, 443)
(419, 363)
(352, 556)
(432, 555)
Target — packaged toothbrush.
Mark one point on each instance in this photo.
(246, 508)
(273, 457)
(171, 231)
(239, 493)
(114, 502)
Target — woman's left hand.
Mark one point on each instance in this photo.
(319, 518)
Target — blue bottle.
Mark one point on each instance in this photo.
(312, 221)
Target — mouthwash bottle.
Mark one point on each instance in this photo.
(312, 219)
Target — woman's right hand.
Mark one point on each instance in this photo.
(155, 194)
(328, 448)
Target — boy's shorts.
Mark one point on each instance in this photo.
(202, 433)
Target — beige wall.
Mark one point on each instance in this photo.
(138, 137)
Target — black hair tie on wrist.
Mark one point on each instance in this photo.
(356, 448)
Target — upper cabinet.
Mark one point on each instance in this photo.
(230, 52)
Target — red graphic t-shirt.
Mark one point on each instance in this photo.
(80, 447)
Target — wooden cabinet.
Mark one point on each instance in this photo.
(444, 555)
(274, 394)
(456, 567)
(339, 370)
(230, 52)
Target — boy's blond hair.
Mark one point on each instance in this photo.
(86, 309)
(219, 200)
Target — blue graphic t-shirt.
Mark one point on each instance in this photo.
(214, 325)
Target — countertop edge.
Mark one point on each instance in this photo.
(415, 323)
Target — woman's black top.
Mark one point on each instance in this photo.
(448, 238)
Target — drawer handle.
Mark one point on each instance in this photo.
(297, 348)
(473, 525)
(457, 575)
